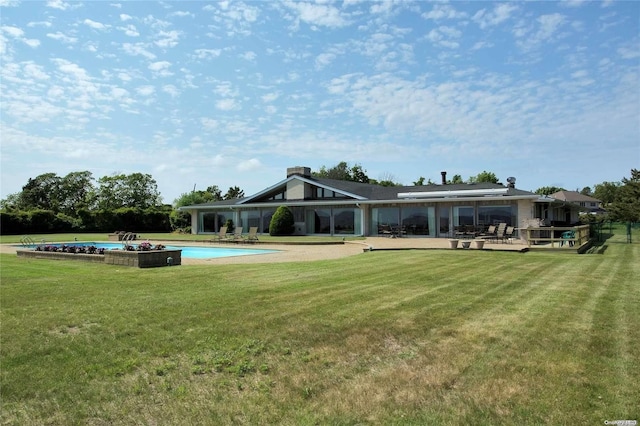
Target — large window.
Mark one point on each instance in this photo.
(383, 219)
(344, 221)
(249, 218)
(444, 213)
(462, 215)
(493, 215)
(319, 221)
(418, 221)
(267, 214)
(212, 221)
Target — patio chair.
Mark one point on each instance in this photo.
(252, 237)
(569, 237)
(499, 236)
(222, 234)
(489, 233)
(385, 230)
(235, 237)
(508, 234)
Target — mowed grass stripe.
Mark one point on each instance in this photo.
(415, 337)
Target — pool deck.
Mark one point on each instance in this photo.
(312, 252)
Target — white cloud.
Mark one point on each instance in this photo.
(138, 49)
(207, 53)
(130, 30)
(443, 11)
(161, 68)
(58, 4)
(227, 104)
(249, 165)
(500, 13)
(324, 59)
(124, 17)
(167, 39)
(95, 25)
(145, 90)
(547, 27)
(323, 15)
(62, 37)
(445, 37)
(171, 90)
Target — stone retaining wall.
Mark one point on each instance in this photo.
(57, 255)
(137, 259)
(143, 259)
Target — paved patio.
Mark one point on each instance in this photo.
(311, 252)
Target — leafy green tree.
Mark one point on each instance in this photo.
(586, 191)
(233, 193)
(358, 174)
(606, 192)
(42, 192)
(456, 179)
(484, 176)
(548, 190)
(76, 192)
(134, 190)
(282, 222)
(626, 206)
(419, 182)
(342, 171)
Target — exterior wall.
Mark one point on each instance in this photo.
(297, 190)
(194, 221)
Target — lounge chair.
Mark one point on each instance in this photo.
(386, 230)
(235, 237)
(499, 235)
(508, 234)
(252, 237)
(490, 234)
(222, 234)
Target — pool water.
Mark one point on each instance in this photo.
(187, 251)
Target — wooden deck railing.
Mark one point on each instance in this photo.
(553, 235)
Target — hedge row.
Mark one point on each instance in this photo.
(47, 221)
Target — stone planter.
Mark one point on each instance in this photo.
(466, 244)
(453, 244)
(143, 259)
(479, 244)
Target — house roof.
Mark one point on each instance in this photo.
(573, 197)
(364, 192)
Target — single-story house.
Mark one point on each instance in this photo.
(344, 208)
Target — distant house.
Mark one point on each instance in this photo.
(336, 207)
(587, 203)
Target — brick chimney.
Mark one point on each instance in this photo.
(444, 177)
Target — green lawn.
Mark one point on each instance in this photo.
(389, 337)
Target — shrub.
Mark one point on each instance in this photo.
(282, 222)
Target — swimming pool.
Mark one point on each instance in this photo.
(188, 252)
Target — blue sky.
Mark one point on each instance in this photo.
(232, 93)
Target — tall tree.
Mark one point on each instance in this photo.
(626, 206)
(233, 193)
(134, 190)
(76, 192)
(42, 192)
(586, 191)
(606, 192)
(342, 171)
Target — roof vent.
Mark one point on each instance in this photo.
(511, 182)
